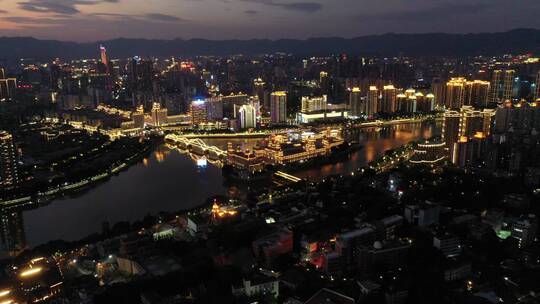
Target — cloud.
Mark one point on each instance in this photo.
(306, 7)
(162, 17)
(67, 7)
(250, 12)
(443, 10)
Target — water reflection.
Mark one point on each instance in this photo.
(172, 180)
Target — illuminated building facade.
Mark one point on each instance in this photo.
(502, 86)
(231, 104)
(312, 104)
(355, 102)
(138, 117)
(455, 93)
(158, 114)
(278, 107)
(389, 99)
(372, 103)
(300, 146)
(8, 161)
(429, 152)
(198, 112)
(467, 123)
(103, 55)
(247, 117)
(8, 86)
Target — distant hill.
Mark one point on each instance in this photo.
(519, 40)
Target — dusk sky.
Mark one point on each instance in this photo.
(90, 20)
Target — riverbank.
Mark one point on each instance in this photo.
(43, 197)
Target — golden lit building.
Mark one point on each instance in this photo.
(198, 112)
(8, 161)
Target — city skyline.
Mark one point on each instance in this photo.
(246, 19)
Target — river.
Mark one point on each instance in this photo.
(169, 180)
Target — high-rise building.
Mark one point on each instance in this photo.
(389, 99)
(508, 85)
(438, 89)
(8, 161)
(233, 102)
(198, 112)
(476, 93)
(214, 108)
(502, 86)
(312, 104)
(247, 117)
(450, 131)
(372, 101)
(496, 87)
(355, 102)
(12, 236)
(466, 123)
(103, 55)
(278, 107)
(455, 93)
(159, 114)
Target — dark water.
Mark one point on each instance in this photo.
(169, 180)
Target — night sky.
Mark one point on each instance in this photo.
(90, 20)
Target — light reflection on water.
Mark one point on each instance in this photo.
(169, 180)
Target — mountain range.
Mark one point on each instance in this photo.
(391, 44)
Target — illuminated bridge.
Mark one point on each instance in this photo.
(287, 176)
(197, 146)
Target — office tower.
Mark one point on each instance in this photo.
(476, 93)
(214, 108)
(536, 95)
(455, 93)
(355, 102)
(7, 88)
(8, 161)
(158, 114)
(138, 117)
(2, 73)
(324, 82)
(259, 90)
(247, 117)
(278, 107)
(140, 75)
(372, 101)
(429, 105)
(438, 88)
(103, 55)
(389, 99)
(508, 85)
(12, 236)
(312, 104)
(198, 112)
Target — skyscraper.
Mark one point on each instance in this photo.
(8, 161)
(389, 102)
(496, 87)
(372, 101)
(311, 104)
(508, 85)
(355, 102)
(438, 89)
(103, 53)
(455, 93)
(247, 117)
(198, 112)
(476, 93)
(278, 107)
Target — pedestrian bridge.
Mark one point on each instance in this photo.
(196, 146)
